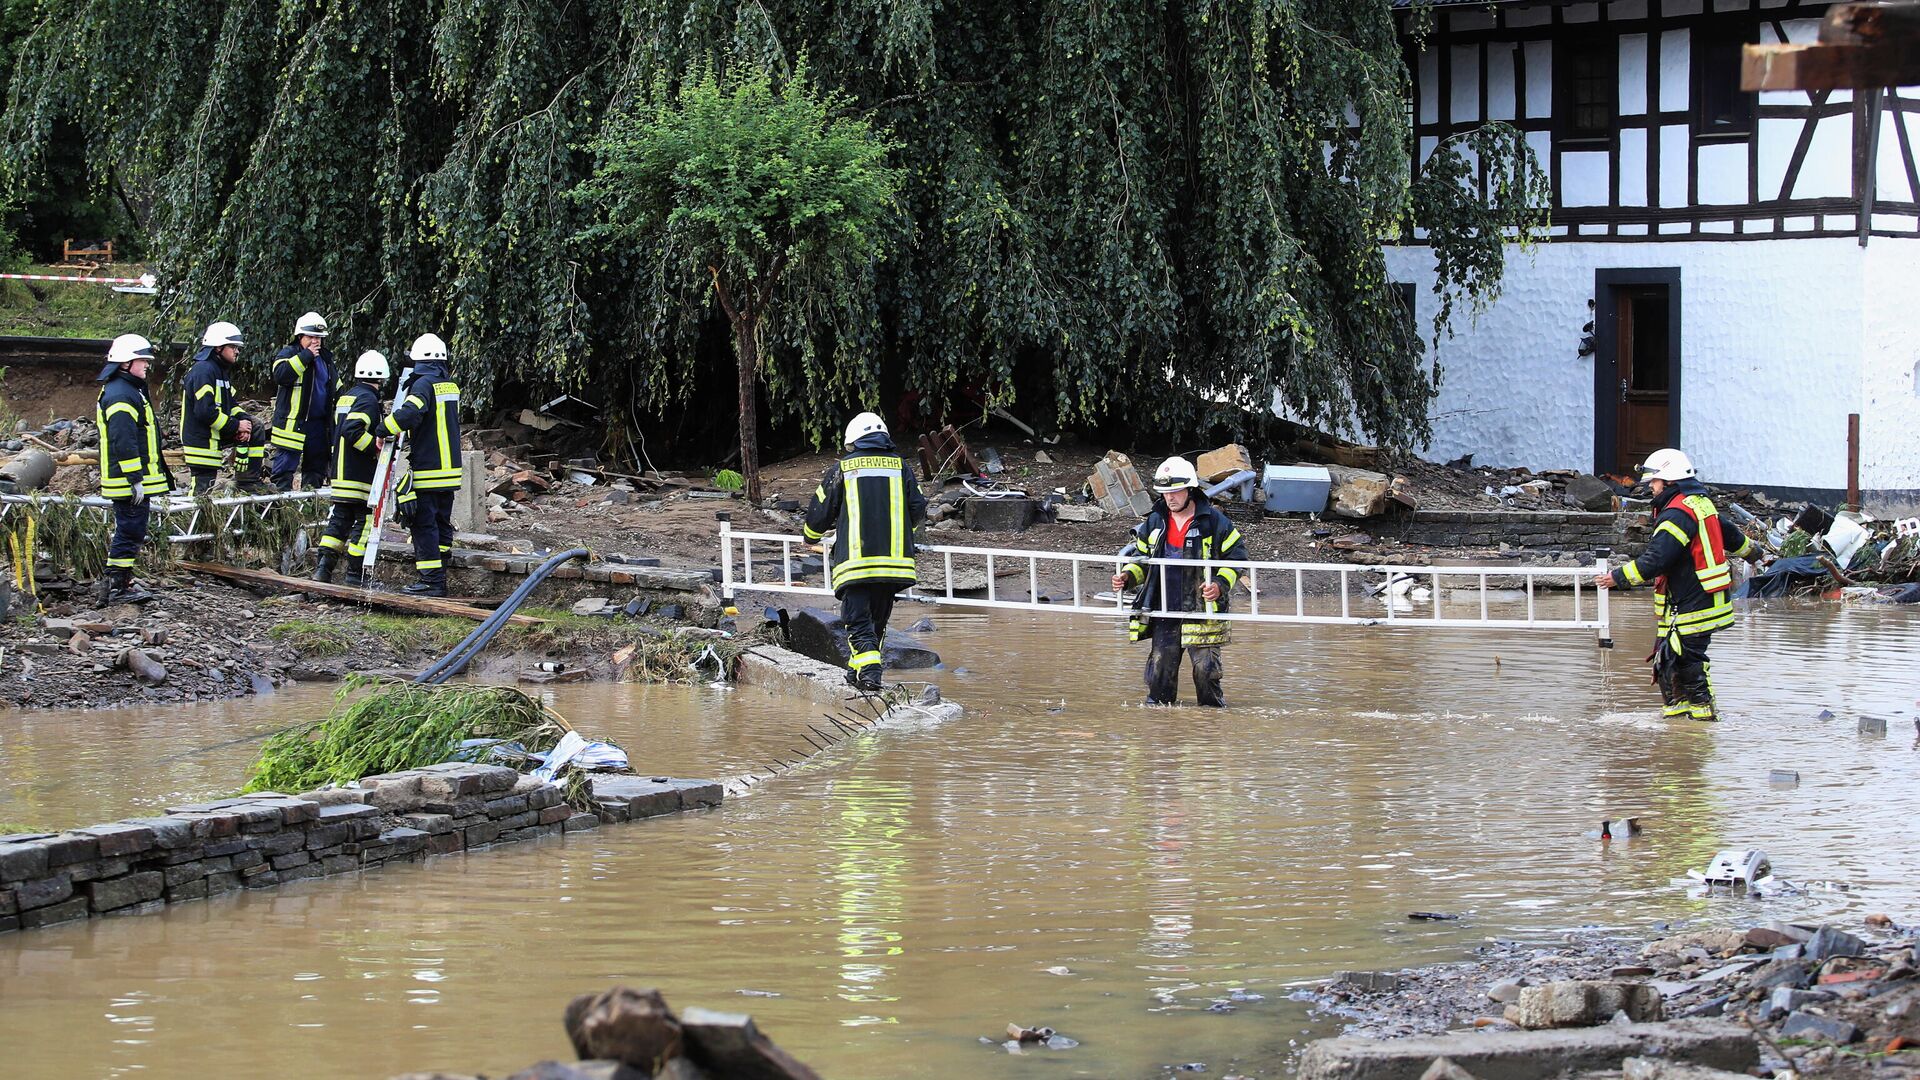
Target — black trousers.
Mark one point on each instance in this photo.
(129, 533)
(865, 607)
(312, 464)
(433, 533)
(246, 459)
(1163, 668)
(1690, 681)
(345, 529)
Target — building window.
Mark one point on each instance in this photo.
(1720, 108)
(1586, 90)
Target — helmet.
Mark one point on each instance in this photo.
(1174, 474)
(1667, 464)
(222, 333)
(863, 425)
(428, 347)
(129, 347)
(310, 325)
(371, 365)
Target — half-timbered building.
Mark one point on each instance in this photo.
(1735, 274)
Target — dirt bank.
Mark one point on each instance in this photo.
(1819, 1000)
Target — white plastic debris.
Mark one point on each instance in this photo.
(1735, 868)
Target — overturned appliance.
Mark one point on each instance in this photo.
(1735, 868)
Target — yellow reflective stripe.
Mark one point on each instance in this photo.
(1141, 546)
(1137, 572)
(1232, 575)
(360, 416)
(427, 564)
(807, 531)
(119, 407)
(435, 474)
(203, 391)
(131, 464)
(392, 427)
(415, 401)
(332, 543)
(896, 501)
(440, 422)
(363, 442)
(1631, 572)
(120, 564)
(298, 365)
(854, 546)
(198, 455)
(219, 423)
(1674, 531)
(1232, 539)
(863, 659)
(820, 492)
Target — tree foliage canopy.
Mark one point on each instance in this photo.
(1099, 196)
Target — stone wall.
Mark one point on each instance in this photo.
(254, 841)
(1568, 530)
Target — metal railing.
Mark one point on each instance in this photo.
(1276, 592)
(180, 514)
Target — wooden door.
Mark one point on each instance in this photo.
(1645, 370)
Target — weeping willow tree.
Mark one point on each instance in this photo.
(1167, 211)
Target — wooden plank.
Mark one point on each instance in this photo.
(1827, 67)
(1888, 24)
(412, 605)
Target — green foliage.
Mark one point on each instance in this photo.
(728, 480)
(312, 639)
(380, 726)
(413, 633)
(1094, 194)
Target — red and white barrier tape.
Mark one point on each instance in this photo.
(144, 279)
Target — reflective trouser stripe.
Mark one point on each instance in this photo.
(427, 564)
(1204, 633)
(332, 543)
(120, 564)
(291, 438)
(874, 569)
(863, 659)
(201, 455)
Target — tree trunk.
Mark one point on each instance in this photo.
(747, 354)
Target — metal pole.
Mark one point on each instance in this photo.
(726, 553)
(1601, 595)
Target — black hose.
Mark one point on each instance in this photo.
(451, 664)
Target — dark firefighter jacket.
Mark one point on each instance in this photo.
(1210, 537)
(210, 411)
(129, 439)
(300, 406)
(873, 502)
(431, 412)
(356, 456)
(1687, 561)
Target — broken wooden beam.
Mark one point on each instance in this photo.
(411, 605)
(1861, 46)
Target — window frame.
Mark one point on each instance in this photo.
(1705, 42)
(1606, 48)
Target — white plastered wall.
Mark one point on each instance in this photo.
(1890, 379)
(1771, 355)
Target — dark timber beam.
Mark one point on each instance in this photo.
(1861, 46)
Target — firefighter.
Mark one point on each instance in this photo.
(356, 457)
(211, 418)
(1183, 524)
(1692, 582)
(430, 412)
(872, 502)
(131, 468)
(302, 407)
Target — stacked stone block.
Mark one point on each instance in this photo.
(255, 841)
(1568, 530)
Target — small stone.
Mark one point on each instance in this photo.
(1828, 942)
(1880, 921)
(1761, 937)
(1806, 1025)
(1369, 980)
(1506, 990)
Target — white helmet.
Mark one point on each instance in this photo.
(1668, 464)
(1174, 474)
(222, 333)
(863, 425)
(310, 325)
(371, 366)
(428, 347)
(129, 347)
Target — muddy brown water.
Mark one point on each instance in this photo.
(884, 907)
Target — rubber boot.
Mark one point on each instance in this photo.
(1673, 705)
(356, 577)
(122, 589)
(426, 587)
(323, 566)
(1697, 686)
(869, 679)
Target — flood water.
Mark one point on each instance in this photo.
(881, 909)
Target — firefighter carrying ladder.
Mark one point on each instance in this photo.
(1460, 597)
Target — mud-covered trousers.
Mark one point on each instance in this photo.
(433, 534)
(865, 608)
(1163, 668)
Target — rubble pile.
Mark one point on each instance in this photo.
(1801, 999)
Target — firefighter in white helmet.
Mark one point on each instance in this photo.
(430, 414)
(211, 418)
(131, 468)
(1692, 581)
(303, 406)
(1186, 526)
(871, 501)
(356, 457)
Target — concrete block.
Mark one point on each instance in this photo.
(43, 892)
(580, 821)
(121, 838)
(1582, 1004)
(483, 834)
(68, 848)
(1001, 515)
(470, 501)
(396, 793)
(67, 911)
(19, 862)
(641, 796)
(1806, 1025)
(506, 806)
(695, 794)
(431, 824)
(1527, 1055)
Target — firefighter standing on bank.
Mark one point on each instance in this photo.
(131, 468)
(356, 457)
(1183, 524)
(872, 502)
(211, 418)
(303, 406)
(1693, 582)
(430, 411)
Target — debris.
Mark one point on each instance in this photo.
(595, 605)
(1590, 493)
(1368, 980)
(416, 605)
(1784, 777)
(1028, 1034)
(1080, 513)
(1577, 1003)
(1431, 916)
(1000, 515)
(1058, 971)
(1872, 725)
(1400, 494)
(1216, 465)
(1291, 489)
(1880, 921)
(1806, 1025)
(990, 462)
(30, 470)
(1444, 1069)
(1620, 829)
(1117, 488)
(1506, 991)
(1041, 457)
(943, 450)
(1357, 493)
(144, 667)
(1734, 868)
(1828, 942)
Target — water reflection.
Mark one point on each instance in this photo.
(1106, 869)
